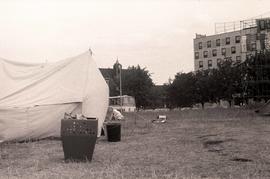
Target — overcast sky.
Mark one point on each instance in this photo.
(156, 34)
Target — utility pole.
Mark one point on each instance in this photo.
(120, 78)
(118, 74)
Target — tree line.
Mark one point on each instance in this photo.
(210, 85)
(227, 82)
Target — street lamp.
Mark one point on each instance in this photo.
(120, 79)
(118, 68)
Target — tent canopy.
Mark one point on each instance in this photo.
(34, 97)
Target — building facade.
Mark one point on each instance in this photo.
(251, 36)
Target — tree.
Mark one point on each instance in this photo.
(203, 87)
(137, 82)
(157, 98)
(181, 91)
(256, 75)
(228, 79)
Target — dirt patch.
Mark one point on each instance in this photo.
(205, 136)
(215, 150)
(212, 142)
(209, 143)
(236, 159)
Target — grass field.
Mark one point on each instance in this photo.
(210, 143)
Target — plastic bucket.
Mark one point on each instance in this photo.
(78, 138)
(113, 132)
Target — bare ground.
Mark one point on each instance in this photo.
(211, 143)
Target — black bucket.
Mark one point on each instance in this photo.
(79, 138)
(113, 132)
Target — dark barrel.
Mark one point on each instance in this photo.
(113, 132)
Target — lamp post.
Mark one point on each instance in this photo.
(118, 74)
(120, 79)
(119, 71)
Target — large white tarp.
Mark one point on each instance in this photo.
(34, 97)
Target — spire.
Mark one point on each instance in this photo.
(117, 67)
(91, 52)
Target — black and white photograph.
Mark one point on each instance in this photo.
(134, 89)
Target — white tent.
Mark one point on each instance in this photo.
(34, 97)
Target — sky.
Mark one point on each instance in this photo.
(156, 34)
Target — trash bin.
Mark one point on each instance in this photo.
(79, 138)
(113, 132)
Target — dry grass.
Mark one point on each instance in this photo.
(212, 143)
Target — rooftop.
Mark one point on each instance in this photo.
(225, 27)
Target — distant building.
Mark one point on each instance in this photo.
(157, 99)
(232, 41)
(128, 103)
(112, 77)
(107, 74)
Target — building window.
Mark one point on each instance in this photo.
(200, 45)
(253, 47)
(209, 63)
(218, 42)
(228, 40)
(223, 51)
(209, 44)
(268, 23)
(196, 55)
(205, 54)
(262, 24)
(200, 64)
(237, 39)
(214, 52)
(233, 50)
(238, 59)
